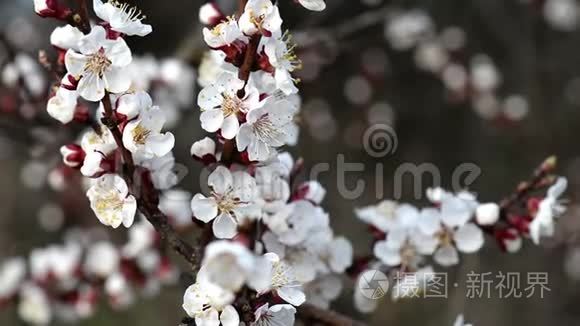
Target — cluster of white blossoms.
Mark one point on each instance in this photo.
(99, 68)
(440, 53)
(67, 282)
(273, 238)
(268, 245)
(408, 239)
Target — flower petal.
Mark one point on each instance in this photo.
(129, 210)
(230, 127)
(116, 80)
(204, 209)
(244, 136)
(468, 238)
(118, 52)
(446, 256)
(225, 226)
(220, 180)
(161, 144)
(92, 42)
(292, 295)
(387, 255)
(229, 316)
(75, 63)
(314, 5)
(91, 88)
(211, 120)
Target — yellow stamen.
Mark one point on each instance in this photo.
(140, 134)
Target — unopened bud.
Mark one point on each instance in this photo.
(487, 214)
(72, 155)
(204, 150)
(210, 15)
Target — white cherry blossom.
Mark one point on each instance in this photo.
(131, 104)
(243, 267)
(450, 236)
(34, 306)
(210, 305)
(548, 209)
(161, 169)
(62, 105)
(223, 34)
(457, 209)
(209, 14)
(96, 147)
(121, 17)
(381, 216)
(221, 106)
(141, 238)
(57, 262)
(323, 290)
(230, 201)
(284, 60)
(102, 260)
(260, 16)
(313, 191)
(283, 281)
(143, 135)
(266, 129)
(175, 203)
(100, 65)
(273, 188)
(12, 274)
(119, 291)
(404, 247)
(339, 254)
(111, 201)
(295, 221)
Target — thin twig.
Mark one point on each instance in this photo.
(536, 181)
(146, 194)
(84, 24)
(249, 61)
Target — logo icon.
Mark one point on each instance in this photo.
(380, 140)
(373, 284)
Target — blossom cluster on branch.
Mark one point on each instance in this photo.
(284, 252)
(408, 239)
(265, 252)
(66, 282)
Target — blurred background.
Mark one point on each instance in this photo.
(490, 82)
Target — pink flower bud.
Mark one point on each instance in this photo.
(50, 8)
(204, 151)
(312, 191)
(72, 155)
(210, 15)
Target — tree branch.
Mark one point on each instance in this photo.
(147, 201)
(146, 194)
(84, 24)
(537, 180)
